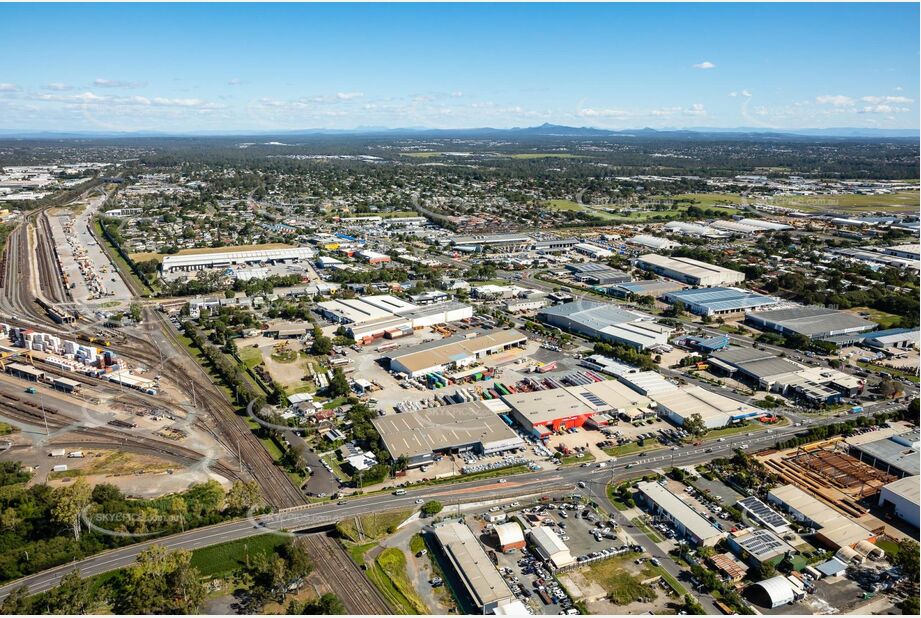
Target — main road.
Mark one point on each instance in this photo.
(326, 514)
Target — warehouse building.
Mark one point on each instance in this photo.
(225, 259)
(550, 547)
(649, 383)
(546, 411)
(719, 300)
(896, 455)
(694, 229)
(593, 251)
(653, 242)
(736, 228)
(812, 322)
(375, 316)
(597, 274)
(483, 588)
(607, 323)
(501, 242)
(689, 523)
(833, 528)
(716, 410)
(650, 287)
(908, 252)
(420, 436)
(454, 352)
(763, 514)
(757, 546)
(904, 497)
(892, 339)
(510, 536)
(687, 270)
(767, 226)
(775, 592)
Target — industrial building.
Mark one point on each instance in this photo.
(550, 547)
(767, 226)
(694, 229)
(763, 514)
(896, 455)
(776, 591)
(758, 546)
(649, 383)
(420, 436)
(370, 317)
(649, 287)
(546, 411)
(483, 587)
(597, 274)
(653, 242)
(834, 528)
(689, 522)
(812, 322)
(686, 270)
(716, 410)
(510, 536)
(719, 300)
(908, 251)
(607, 323)
(892, 339)
(593, 251)
(503, 242)
(904, 496)
(767, 371)
(225, 259)
(454, 352)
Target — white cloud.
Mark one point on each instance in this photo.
(457, 94)
(746, 93)
(898, 89)
(234, 81)
(602, 113)
(117, 83)
(706, 64)
(58, 87)
(347, 96)
(696, 110)
(904, 100)
(5, 87)
(838, 100)
(883, 109)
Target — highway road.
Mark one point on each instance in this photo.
(326, 514)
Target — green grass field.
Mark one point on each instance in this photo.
(625, 215)
(564, 205)
(622, 586)
(374, 525)
(707, 200)
(222, 560)
(392, 562)
(421, 155)
(250, 356)
(903, 201)
(886, 320)
(632, 447)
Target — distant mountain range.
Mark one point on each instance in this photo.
(544, 130)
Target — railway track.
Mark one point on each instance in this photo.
(337, 571)
(105, 437)
(22, 283)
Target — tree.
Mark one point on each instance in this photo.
(694, 424)
(243, 496)
(69, 502)
(339, 385)
(74, 595)
(17, 602)
(431, 508)
(907, 559)
(322, 345)
(160, 582)
(135, 312)
(889, 388)
(327, 605)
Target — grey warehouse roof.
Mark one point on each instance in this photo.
(593, 315)
(419, 433)
(721, 299)
(813, 321)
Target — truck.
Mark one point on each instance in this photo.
(59, 468)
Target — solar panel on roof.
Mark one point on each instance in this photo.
(593, 398)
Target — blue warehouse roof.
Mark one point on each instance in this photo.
(720, 299)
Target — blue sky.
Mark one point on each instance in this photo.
(169, 67)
